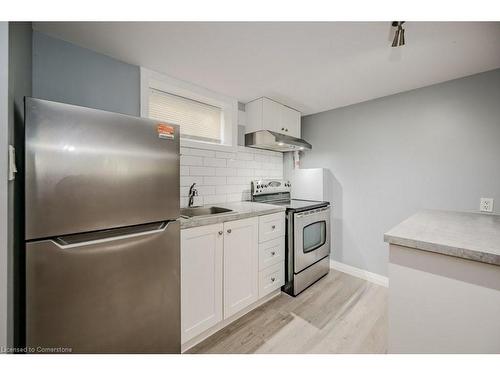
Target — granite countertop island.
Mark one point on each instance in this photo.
(472, 236)
(444, 283)
(240, 210)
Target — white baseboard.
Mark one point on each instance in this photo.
(358, 272)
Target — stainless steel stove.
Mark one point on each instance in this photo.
(307, 255)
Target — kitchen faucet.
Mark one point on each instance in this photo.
(192, 193)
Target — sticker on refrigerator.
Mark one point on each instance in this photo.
(165, 131)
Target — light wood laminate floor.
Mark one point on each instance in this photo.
(338, 314)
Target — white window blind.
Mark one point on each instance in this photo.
(197, 120)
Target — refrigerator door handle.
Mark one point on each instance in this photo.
(71, 241)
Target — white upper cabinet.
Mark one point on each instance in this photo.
(290, 121)
(266, 114)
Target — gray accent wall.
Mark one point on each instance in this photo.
(4, 121)
(68, 73)
(20, 85)
(435, 147)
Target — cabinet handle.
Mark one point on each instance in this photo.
(229, 231)
(273, 253)
(273, 227)
(221, 233)
(272, 279)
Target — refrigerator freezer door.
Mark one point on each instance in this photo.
(106, 295)
(89, 170)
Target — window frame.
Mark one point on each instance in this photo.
(151, 79)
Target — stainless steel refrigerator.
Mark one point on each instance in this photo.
(102, 235)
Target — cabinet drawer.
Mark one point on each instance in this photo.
(271, 252)
(271, 278)
(271, 226)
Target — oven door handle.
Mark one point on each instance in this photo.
(312, 212)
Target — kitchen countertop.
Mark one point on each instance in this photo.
(241, 210)
(465, 235)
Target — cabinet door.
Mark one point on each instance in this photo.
(290, 121)
(201, 279)
(241, 248)
(271, 115)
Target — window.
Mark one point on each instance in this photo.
(206, 119)
(198, 121)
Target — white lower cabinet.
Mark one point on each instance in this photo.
(271, 252)
(201, 279)
(271, 279)
(241, 284)
(225, 268)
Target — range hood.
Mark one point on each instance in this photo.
(269, 140)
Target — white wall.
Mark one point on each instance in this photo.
(4, 119)
(434, 147)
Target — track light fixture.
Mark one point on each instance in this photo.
(399, 35)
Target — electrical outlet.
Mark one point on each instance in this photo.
(486, 205)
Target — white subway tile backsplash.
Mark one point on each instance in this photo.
(202, 171)
(214, 180)
(245, 172)
(189, 180)
(253, 164)
(197, 152)
(239, 181)
(191, 160)
(227, 189)
(226, 171)
(225, 155)
(225, 176)
(205, 190)
(236, 163)
(197, 201)
(184, 191)
(259, 157)
(214, 162)
(211, 199)
(238, 197)
(244, 156)
(202, 190)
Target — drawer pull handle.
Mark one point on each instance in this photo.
(273, 227)
(221, 233)
(229, 231)
(273, 279)
(273, 253)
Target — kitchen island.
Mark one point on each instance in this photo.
(444, 283)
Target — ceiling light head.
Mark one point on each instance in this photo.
(399, 35)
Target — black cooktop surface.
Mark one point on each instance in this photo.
(300, 204)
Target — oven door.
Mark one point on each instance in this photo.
(311, 237)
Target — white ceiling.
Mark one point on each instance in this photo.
(309, 66)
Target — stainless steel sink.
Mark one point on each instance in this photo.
(203, 211)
